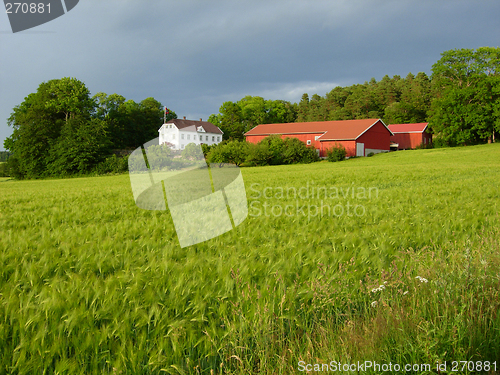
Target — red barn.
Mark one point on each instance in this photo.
(359, 137)
(408, 136)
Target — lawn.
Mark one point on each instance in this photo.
(392, 258)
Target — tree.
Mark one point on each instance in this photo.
(235, 119)
(39, 119)
(233, 152)
(466, 95)
(82, 145)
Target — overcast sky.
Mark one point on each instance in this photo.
(192, 55)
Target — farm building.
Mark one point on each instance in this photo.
(180, 133)
(407, 136)
(359, 137)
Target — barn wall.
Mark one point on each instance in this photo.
(403, 140)
(411, 140)
(377, 137)
(350, 147)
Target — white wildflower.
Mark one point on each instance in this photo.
(405, 293)
(374, 303)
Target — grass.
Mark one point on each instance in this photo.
(89, 283)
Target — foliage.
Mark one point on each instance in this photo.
(233, 152)
(235, 119)
(130, 124)
(81, 146)
(112, 164)
(159, 157)
(60, 130)
(467, 96)
(395, 100)
(206, 149)
(192, 151)
(274, 150)
(4, 156)
(4, 171)
(336, 153)
(295, 151)
(97, 285)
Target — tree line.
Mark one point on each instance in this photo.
(461, 101)
(62, 130)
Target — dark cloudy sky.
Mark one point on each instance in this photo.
(192, 55)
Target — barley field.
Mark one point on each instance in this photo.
(393, 258)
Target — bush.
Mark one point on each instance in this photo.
(192, 151)
(370, 154)
(336, 153)
(295, 151)
(4, 170)
(233, 152)
(13, 168)
(112, 164)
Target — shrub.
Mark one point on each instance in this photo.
(112, 164)
(370, 154)
(192, 152)
(233, 152)
(295, 151)
(258, 154)
(4, 170)
(336, 153)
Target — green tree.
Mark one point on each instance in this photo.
(465, 87)
(39, 119)
(82, 145)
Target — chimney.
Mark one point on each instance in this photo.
(184, 117)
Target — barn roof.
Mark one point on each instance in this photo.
(409, 128)
(332, 130)
(192, 125)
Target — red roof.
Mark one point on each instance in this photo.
(332, 130)
(408, 128)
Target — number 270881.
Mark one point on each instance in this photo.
(27, 8)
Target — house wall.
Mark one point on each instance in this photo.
(376, 139)
(181, 138)
(187, 137)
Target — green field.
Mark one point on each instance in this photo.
(89, 283)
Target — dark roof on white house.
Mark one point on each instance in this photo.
(207, 126)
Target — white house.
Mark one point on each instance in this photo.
(182, 132)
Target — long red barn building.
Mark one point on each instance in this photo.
(359, 137)
(407, 136)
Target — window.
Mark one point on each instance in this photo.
(201, 138)
(308, 141)
(182, 136)
(182, 147)
(206, 138)
(189, 136)
(213, 138)
(218, 138)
